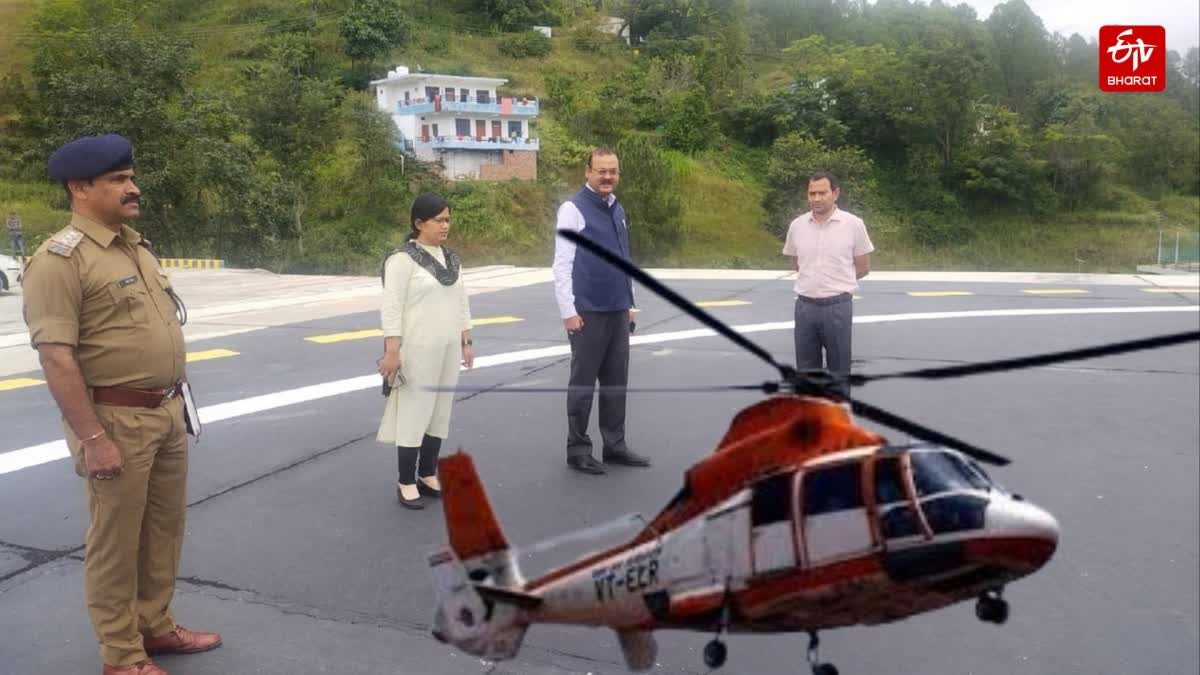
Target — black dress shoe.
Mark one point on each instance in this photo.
(416, 504)
(586, 464)
(625, 457)
(426, 490)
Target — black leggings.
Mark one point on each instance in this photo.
(406, 459)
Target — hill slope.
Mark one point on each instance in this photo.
(262, 148)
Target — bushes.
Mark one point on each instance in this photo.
(529, 43)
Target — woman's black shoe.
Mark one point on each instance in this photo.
(426, 490)
(416, 503)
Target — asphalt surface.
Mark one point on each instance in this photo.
(299, 554)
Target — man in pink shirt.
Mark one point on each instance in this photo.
(832, 252)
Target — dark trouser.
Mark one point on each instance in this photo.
(406, 460)
(600, 351)
(17, 242)
(824, 323)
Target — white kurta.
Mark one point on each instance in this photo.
(429, 319)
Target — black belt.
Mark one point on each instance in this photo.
(831, 300)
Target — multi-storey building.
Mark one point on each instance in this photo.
(461, 123)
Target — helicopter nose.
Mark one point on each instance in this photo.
(1031, 532)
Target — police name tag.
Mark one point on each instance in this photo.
(190, 415)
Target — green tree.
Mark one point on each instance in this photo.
(290, 117)
(370, 28)
(690, 126)
(1022, 50)
(651, 199)
(794, 158)
(999, 170)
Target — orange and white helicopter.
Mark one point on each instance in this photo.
(800, 521)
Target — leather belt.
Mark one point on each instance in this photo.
(831, 300)
(134, 398)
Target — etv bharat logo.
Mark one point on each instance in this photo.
(1133, 58)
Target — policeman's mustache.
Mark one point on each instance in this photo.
(131, 198)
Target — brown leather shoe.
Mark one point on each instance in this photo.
(181, 641)
(146, 667)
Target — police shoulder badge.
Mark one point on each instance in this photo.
(64, 242)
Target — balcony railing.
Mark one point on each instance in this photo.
(503, 106)
(472, 143)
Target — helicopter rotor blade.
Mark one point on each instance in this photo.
(1032, 361)
(913, 429)
(765, 387)
(675, 299)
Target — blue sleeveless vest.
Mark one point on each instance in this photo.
(598, 286)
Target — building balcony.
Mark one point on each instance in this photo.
(504, 106)
(471, 143)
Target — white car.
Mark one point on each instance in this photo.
(10, 272)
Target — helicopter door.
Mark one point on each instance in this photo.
(725, 550)
(772, 536)
(835, 516)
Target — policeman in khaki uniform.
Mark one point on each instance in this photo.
(103, 320)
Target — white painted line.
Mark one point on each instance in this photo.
(15, 460)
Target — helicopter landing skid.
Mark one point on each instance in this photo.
(990, 607)
(715, 651)
(814, 660)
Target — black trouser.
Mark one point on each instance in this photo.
(600, 351)
(406, 459)
(825, 323)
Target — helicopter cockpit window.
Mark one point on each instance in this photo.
(896, 517)
(888, 488)
(836, 488)
(935, 472)
(954, 513)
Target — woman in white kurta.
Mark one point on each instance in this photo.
(426, 328)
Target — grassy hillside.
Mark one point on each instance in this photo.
(721, 189)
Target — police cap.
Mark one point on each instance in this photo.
(90, 156)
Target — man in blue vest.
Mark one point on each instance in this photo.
(595, 301)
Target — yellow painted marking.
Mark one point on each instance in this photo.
(19, 383)
(376, 332)
(1193, 289)
(938, 294)
(341, 337)
(1053, 291)
(490, 320)
(722, 303)
(210, 354)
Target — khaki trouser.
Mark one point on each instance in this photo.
(136, 529)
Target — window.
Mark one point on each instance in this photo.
(431, 93)
(898, 521)
(953, 513)
(483, 96)
(936, 471)
(888, 486)
(514, 129)
(462, 127)
(772, 499)
(836, 488)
